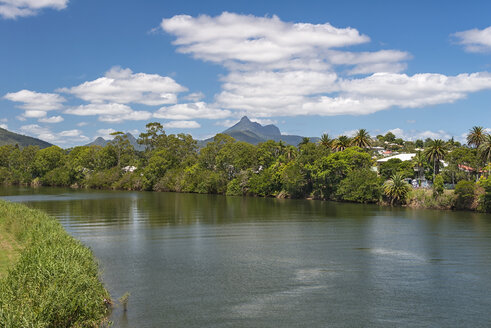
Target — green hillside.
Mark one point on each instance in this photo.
(11, 138)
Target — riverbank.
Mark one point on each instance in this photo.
(49, 278)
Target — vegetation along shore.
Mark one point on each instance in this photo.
(47, 278)
(441, 174)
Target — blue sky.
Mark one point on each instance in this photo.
(74, 70)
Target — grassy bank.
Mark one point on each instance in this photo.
(52, 279)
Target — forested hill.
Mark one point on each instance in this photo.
(255, 133)
(11, 138)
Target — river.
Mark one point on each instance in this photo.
(193, 260)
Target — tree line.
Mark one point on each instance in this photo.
(339, 168)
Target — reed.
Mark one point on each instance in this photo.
(55, 281)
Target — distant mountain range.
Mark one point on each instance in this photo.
(100, 141)
(11, 138)
(245, 130)
(254, 133)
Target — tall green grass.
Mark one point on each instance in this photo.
(55, 282)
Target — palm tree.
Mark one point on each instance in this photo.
(396, 188)
(435, 152)
(325, 141)
(305, 140)
(485, 149)
(341, 143)
(476, 136)
(362, 139)
(419, 161)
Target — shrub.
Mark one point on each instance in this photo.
(484, 202)
(59, 176)
(360, 186)
(465, 194)
(438, 187)
(396, 189)
(102, 179)
(233, 188)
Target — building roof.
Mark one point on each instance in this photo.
(402, 157)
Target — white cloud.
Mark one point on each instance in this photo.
(4, 126)
(226, 123)
(247, 38)
(52, 119)
(413, 135)
(106, 133)
(194, 97)
(181, 125)
(475, 40)
(4, 120)
(82, 124)
(371, 62)
(133, 116)
(263, 121)
(34, 113)
(280, 68)
(111, 112)
(32, 100)
(123, 86)
(67, 137)
(22, 8)
(265, 93)
(191, 111)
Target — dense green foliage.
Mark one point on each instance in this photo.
(396, 189)
(465, 192)
(485, 198)
(361, 186)
(438, 186)
(337, 169)
(55, 281)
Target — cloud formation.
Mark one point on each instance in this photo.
(32, 100)
(191, 111)
(475, 40)
(110, 112)
(123, 86)
(52, 119)
(181, 125)
(248, 38)
(11, 9)
(64, 137)
(279, 68)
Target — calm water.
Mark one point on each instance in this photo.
(211, 261)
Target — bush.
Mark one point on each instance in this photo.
(233, 188)
(438, 187)
(484, 202)
(423, 198)
(55, 281)
(465, 194)
(102, 179)
(59, 176)
(362, 186)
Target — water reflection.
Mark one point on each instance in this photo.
(210, 261)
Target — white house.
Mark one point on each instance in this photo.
(402, 157)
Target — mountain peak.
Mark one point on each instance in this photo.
(245, 119)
